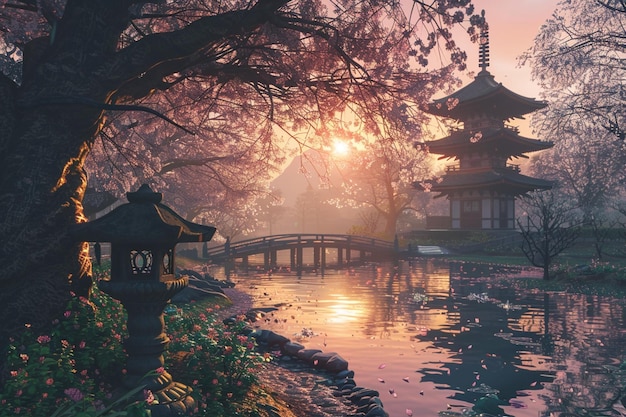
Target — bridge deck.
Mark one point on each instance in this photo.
(269, 245)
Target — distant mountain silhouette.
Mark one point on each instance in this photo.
(304, 171)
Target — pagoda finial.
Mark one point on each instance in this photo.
(483, 51)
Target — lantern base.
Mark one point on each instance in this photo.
(174, 400)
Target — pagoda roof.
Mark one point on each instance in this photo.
(503, 180)
(484, 96)
(493, 140)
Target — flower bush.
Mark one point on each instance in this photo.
(75, 368)
(77, 362)
(219, 362)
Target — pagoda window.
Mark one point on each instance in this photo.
(471, 214)
(471, 206)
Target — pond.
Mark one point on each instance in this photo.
(441, 338)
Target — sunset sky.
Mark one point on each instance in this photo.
(513, 25)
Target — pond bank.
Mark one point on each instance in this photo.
(305, 390)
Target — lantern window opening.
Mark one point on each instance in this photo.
(141, 262)
(168, 261)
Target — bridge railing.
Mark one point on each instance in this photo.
(287, 240)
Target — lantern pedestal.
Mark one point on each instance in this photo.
(143, 234)
(144, 302)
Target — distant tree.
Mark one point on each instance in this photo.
(271, 210)
(587, 165)
(369, 220)
(549, 228)
(309, 210)
(602, 230)
(578, 60)
(379, 174)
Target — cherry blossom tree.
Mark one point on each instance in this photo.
(578, 60)
(587, 166)
(379, 176)
(150, 88)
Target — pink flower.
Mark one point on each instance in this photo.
(49, 381)
(43, 339)
(74, 394)
(149, 397)
(215, 381)
(67, 314)
(160, 370)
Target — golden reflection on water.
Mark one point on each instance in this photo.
(344, 310)
(413, 330)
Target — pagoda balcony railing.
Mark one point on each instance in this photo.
(456, 168)
(456, 129)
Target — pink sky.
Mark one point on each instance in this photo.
(513, 25)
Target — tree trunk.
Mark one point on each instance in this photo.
(46, 131)
(42, 183)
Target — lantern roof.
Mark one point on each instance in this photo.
(142, 220)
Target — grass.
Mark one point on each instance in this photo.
(575, 270)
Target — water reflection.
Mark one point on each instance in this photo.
(439, 337)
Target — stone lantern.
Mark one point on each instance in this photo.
(143, 234)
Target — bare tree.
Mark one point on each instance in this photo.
(602, 230)
(551, 226)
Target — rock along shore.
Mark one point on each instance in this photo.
(313, 382)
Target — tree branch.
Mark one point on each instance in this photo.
(161, 54)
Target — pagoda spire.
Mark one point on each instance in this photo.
(483, 51)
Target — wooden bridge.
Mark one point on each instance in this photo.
(365, 248)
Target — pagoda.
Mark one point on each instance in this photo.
(482, 186)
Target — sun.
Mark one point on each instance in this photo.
(340, 147)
